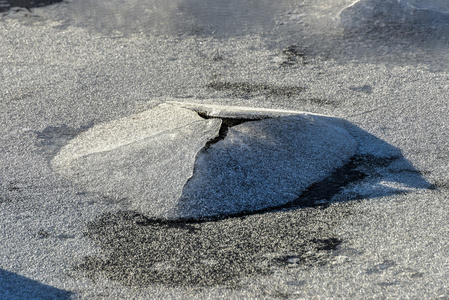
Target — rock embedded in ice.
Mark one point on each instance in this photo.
(158, 160)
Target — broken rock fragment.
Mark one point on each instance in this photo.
(159, 163)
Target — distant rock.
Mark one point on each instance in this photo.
(169, 162)
(369, 14)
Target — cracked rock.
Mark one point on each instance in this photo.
(159, 163)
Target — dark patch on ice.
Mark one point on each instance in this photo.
(368, 89)
(13, 186)
(217, 57)
(440, 185)
(26, 4)
(327, 244)
(246, 90)
(313, 257)
(12, 191)
(203, 253)
(380, 268)
(51, 133)
(42, 234)
(293, 51)
(293, 55)
(318, 101)
(53, 138)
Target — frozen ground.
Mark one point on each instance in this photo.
(377, 228)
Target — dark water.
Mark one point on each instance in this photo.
(27, 4)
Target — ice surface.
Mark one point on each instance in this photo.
(148, 159)
(175, 17)
(59, 72)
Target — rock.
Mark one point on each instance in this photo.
(159, 162)
(393, 14)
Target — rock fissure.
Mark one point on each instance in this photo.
(226, 123)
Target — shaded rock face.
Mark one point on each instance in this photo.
(163, 164)
(264, 164)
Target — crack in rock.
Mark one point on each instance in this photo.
(226, 123)
(258, 165)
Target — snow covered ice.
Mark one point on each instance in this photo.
(87, 145)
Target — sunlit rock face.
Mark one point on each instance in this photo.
(393, 13)
(144, 159)
(171, 163)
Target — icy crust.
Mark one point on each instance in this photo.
(158, 162)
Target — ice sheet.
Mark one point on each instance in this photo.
(58, 73)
